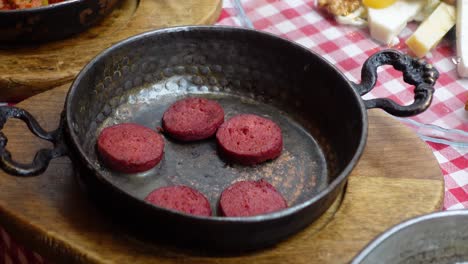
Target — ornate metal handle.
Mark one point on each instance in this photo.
(43, 156)
(415, 71)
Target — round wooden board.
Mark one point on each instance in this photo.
(396, 179)
(25, 71)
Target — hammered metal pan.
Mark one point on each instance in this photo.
(321, 113)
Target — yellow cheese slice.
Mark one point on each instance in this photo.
(432, 30)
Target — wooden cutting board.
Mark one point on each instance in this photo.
(25, 71)
(396, 178)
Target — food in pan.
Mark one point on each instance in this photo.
(130, 148)
(193, 119)
(21, 4)
(249, 139)
(181, 198)
(249, 198)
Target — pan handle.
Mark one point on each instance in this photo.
(43, 156)
(415, 71)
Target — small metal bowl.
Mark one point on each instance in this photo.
(440, 238)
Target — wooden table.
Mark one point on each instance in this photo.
(397, 178)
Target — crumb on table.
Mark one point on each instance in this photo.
(339, 7)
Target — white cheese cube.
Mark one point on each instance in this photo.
(385, 24)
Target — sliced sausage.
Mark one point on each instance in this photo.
(193, 119)
(249, 139)
(249, 198)
(181, 198)
(130, 147)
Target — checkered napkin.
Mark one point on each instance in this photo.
(348, 47)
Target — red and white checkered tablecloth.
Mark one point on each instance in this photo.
(348, 47)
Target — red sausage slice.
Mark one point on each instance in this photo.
(181, 198)
(249, 139)
(193, 119)
(249, 198)
(130, 148)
